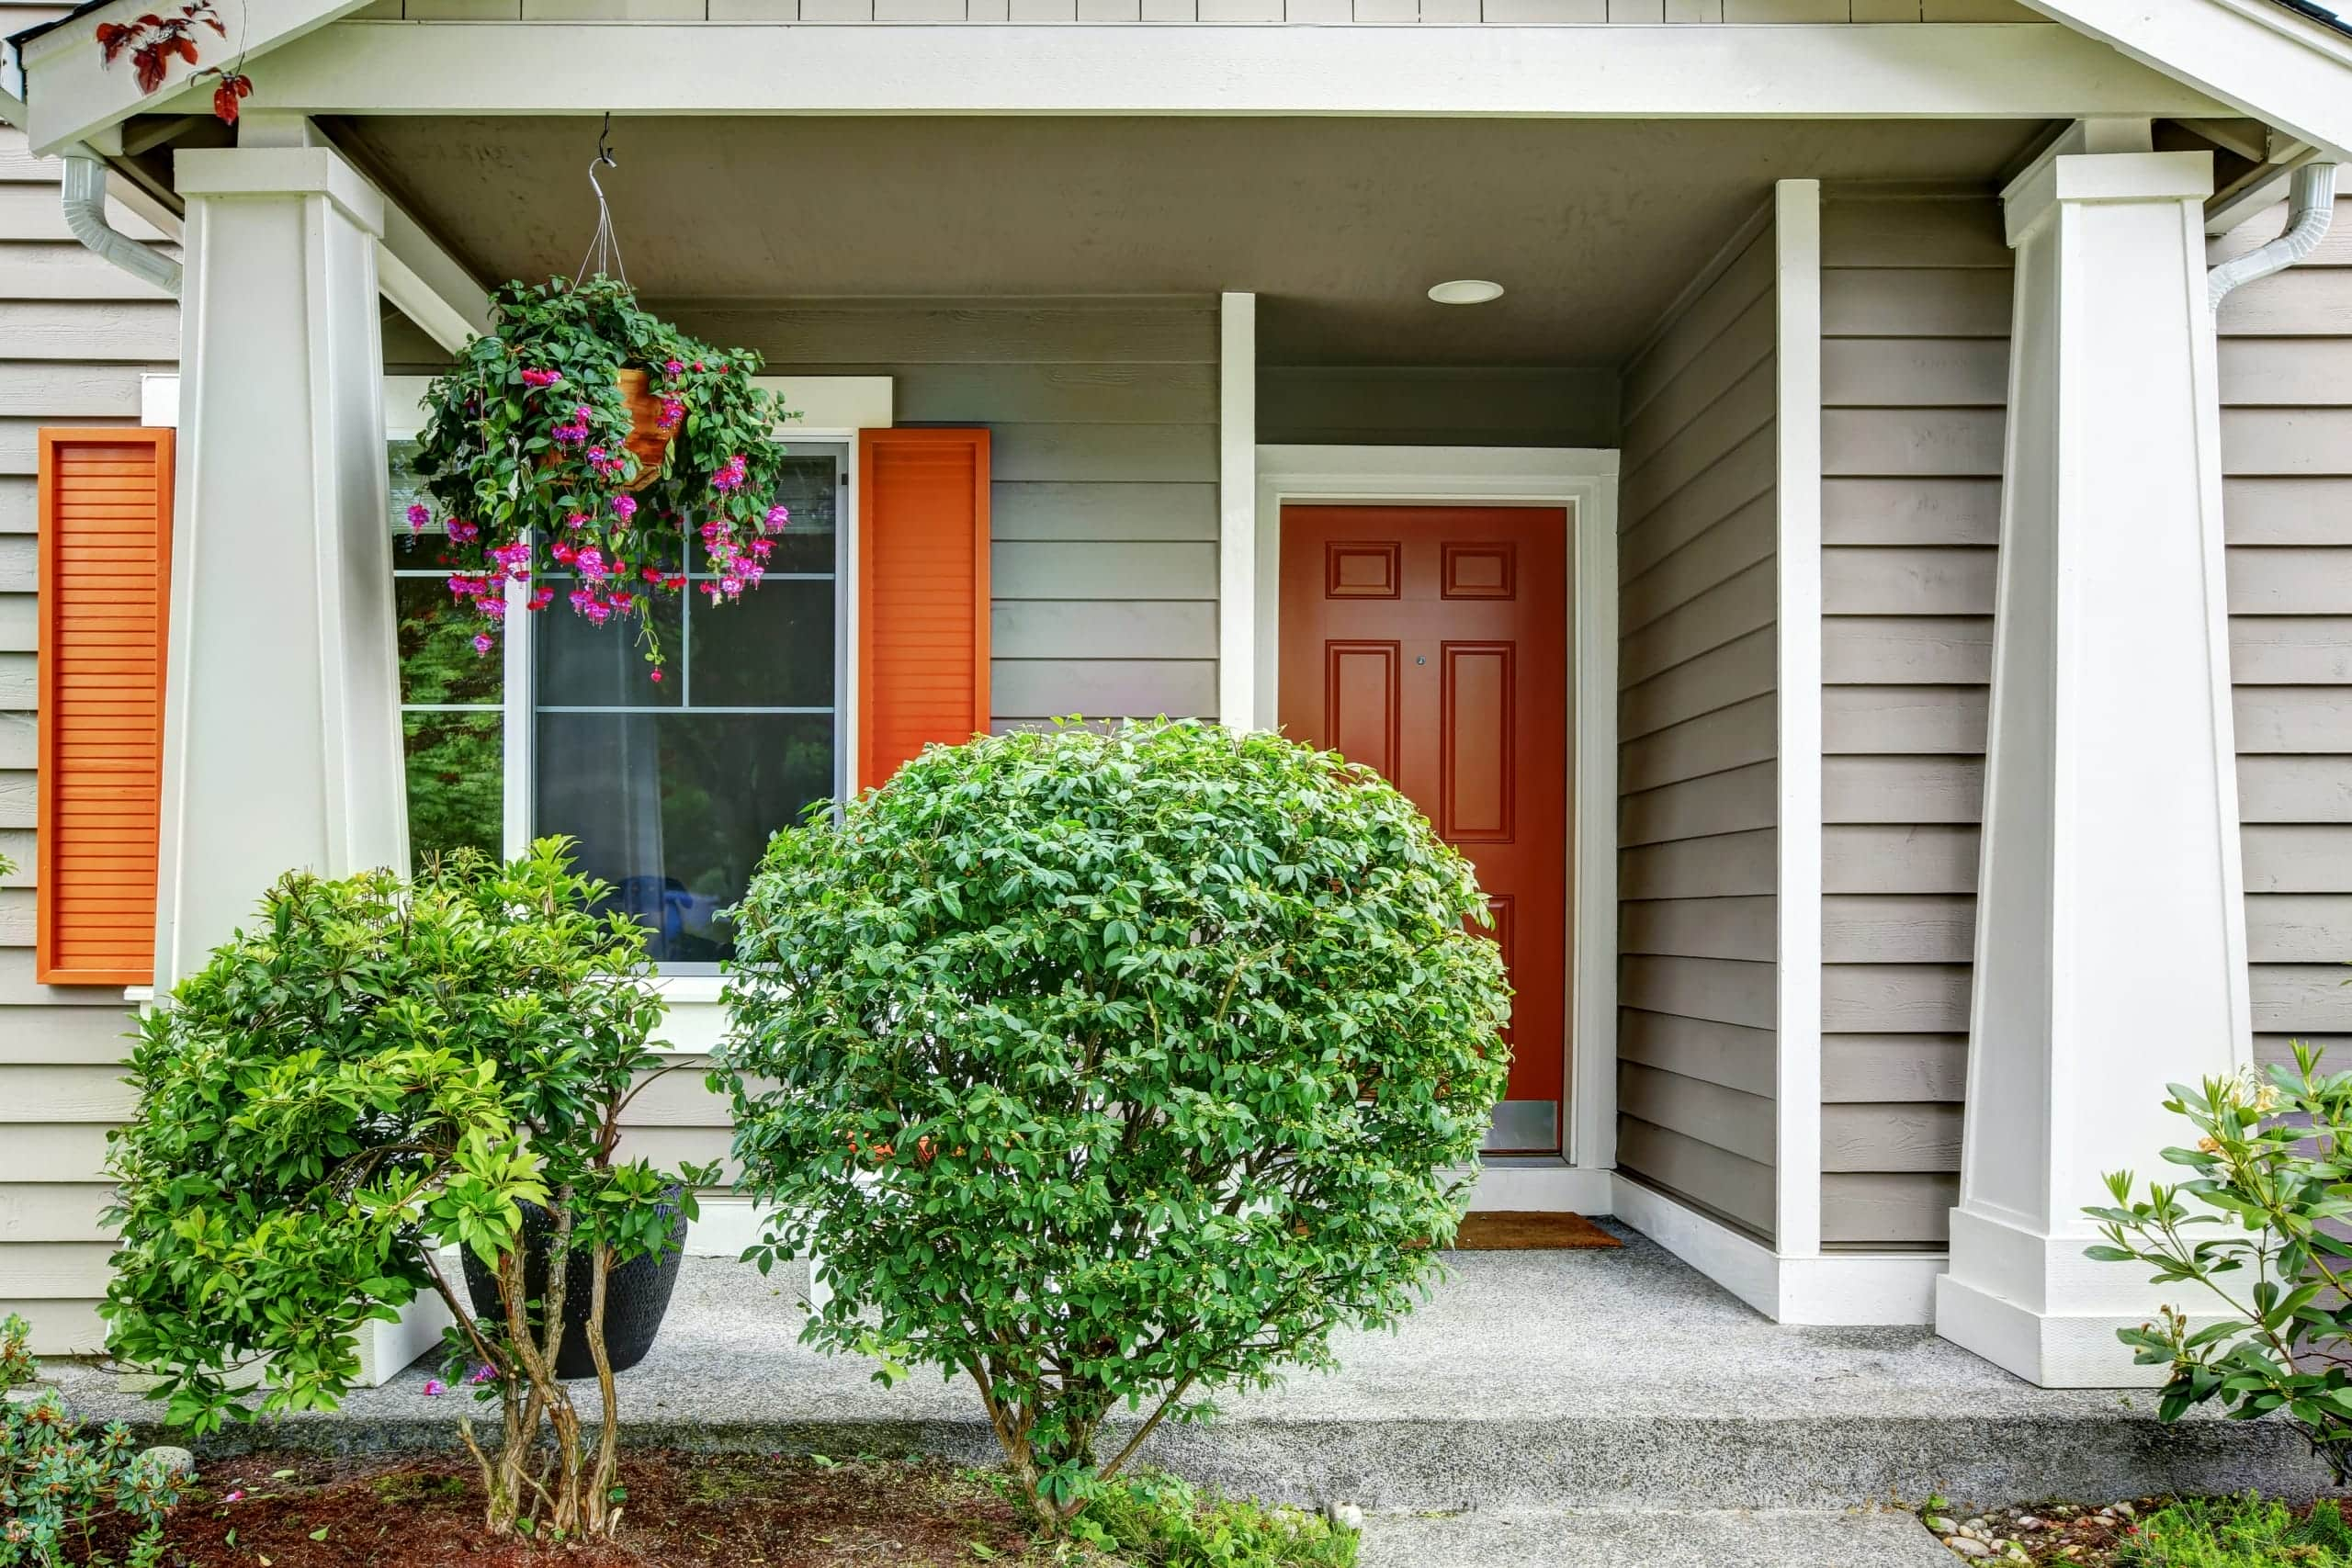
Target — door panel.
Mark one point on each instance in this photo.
(1431, 643)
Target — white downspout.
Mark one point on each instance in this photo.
(84, 197)
(2309, 213)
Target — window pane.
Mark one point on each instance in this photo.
(773, 648)
(438, 661)
(811, 487)
(455, 782)
(674, 809)
(581, 665)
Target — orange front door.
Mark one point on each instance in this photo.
(1431, 643)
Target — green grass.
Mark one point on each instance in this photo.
(2240, 1532)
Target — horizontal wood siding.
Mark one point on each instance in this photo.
(76, 334)
(1696, 791)
(1102, 424)
(2286, 363)
(1914, 365)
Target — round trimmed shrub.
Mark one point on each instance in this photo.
(1113, 1069)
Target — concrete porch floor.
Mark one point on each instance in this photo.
(1604, 1379)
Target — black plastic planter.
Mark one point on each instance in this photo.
(636, 1294)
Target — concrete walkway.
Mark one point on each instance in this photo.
(1617, 1379)
(1623, 1538)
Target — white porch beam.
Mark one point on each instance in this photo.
(1925, 71)
(2110, 951)
(72, 93)
(2254, 56)
(282, 732)
(414, 270)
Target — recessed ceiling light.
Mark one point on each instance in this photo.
(1465, 291)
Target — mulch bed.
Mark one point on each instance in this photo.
(683, 1511)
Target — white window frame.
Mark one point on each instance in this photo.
(832, 411)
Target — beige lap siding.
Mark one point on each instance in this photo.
(1915, 358)
(1697, 794)
(2286, 364)
(1103, 436)
(75, 335)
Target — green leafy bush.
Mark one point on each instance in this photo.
(375, 1070)
(58, 1486)
(2239, 1532)
(2251, 1227)
(1113, 1069)
(1160, 1521)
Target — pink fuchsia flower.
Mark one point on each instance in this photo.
(776, 518)
(591, 562)
(672, 367)
(576, 520)
(672, 410)
(568, 435)
(434, 1387)
(541, 597)
(534, 377)
(484, 643)
(624, 507)
(417, 516)
(462, 531)
(656, 675)
(732, 476)
(623, 600)
(236, 1494)
(481, 1375)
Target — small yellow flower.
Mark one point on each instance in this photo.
(2208, 1146)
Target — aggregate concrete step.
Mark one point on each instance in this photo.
(1649, 1538)
(1604, 1379)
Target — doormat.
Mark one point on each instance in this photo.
(1520, 1230)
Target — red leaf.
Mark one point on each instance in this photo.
(245, 86)
(149, 59)
(151, 20)
(224, 102)
(214, 23)
(185, 48)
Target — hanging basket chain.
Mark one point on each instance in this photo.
(604, 246)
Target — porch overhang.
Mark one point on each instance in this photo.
(70, 91)
(2259, 56)
(1925, 72)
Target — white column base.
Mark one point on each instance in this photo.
(2034, 1306)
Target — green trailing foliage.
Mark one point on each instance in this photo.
(1110, 1070)
(373, 1070)
(2239, 1532)
(2256, 1225)
(59, 1486)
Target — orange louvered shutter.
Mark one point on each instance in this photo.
(105, 534)
(922, 672)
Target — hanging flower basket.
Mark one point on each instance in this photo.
(588, 449)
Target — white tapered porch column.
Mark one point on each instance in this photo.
(281, 743)
(2111, 937)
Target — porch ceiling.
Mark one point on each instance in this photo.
(1339, 225)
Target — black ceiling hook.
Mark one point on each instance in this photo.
(603, 143)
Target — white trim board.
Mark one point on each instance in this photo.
(1583, 481)
(2026, 71)
(1796, 292)
(1832, 1289)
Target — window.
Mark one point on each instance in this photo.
(672, 789)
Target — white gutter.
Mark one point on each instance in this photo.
(2309, 214)
(84, 195)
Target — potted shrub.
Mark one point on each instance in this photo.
(374, 1070)
(1112, 1070)
(567, 452)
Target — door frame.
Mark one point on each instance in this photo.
(1582, 483)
